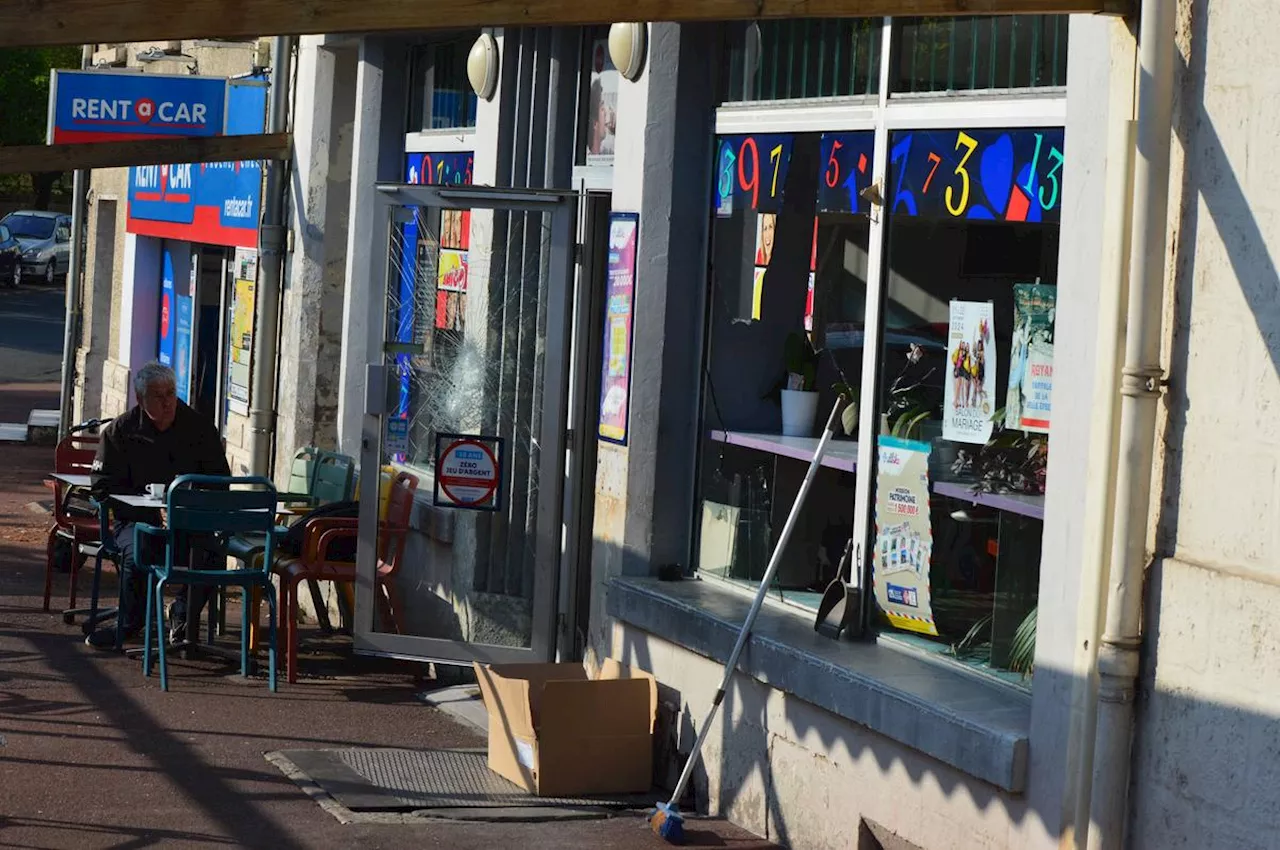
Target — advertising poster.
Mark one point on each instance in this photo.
(168, 319)
(602, 106)
(757, 290)
(1029, 405)
(182, 347)
(240, 334)
(904, 535)
(615, 387)
(451, 275)
(970, 382)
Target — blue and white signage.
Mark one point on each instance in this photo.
(102, 106)
(215, 203)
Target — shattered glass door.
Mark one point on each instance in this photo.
(475, 351)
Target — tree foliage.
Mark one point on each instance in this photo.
(24, 101)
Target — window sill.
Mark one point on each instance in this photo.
(976, 727)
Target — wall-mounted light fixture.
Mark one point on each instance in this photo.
(482, 66)
(627, 43)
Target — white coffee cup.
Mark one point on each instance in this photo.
(156, 491)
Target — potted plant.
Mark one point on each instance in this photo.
(848, 416)
(798, 396)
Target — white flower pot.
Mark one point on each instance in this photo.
(799, 409)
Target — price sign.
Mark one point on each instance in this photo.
(468, 472)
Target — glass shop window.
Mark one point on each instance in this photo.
(979, 53)
(442, 98)
(801, 58)
(787, 298)
(965, 390)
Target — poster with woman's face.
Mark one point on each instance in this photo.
(602, 106)
(766, 227)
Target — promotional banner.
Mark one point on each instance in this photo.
(619, 310)
(114, 106)
(240, 335)
(215, 203)
(904, 535)
(970, 382)
(1029, 404)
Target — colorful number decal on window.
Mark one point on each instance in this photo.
(1056, 157)
(899, 157)
(832, 175)
(970, 144)
(753, 186)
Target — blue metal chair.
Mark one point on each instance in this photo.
(203, 506)
(104, 550)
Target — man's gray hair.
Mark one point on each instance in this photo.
(154, 372)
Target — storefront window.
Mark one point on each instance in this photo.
(964, 396)
(790, 237)
(801, 58)
(442, 98)
(989, 52)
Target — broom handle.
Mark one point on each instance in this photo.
(774, 561)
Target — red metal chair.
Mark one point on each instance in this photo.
(314, 562)
(75, 520)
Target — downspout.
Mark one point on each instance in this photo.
(271, 248)
(1140, 390)
(73, 320)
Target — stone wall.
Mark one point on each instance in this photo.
(1207, 755)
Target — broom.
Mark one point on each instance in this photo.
(666, 820)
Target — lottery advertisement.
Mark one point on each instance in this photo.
(1029, 405)
(615, 387)
(904, 535)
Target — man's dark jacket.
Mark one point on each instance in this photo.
(133, 454)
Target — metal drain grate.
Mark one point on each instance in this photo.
(406, 780)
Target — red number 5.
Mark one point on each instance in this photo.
(833, 165)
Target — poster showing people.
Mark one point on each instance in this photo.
(602, 106)
(615, 390)
(903, 548)
(1029, 404)
(240, 354)
(970, 381)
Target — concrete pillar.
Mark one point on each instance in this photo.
(662, 170)
(315, 272)
(377, 154)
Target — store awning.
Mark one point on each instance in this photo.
(51, 22)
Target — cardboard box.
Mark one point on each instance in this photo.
(555, 732)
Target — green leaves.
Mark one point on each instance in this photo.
(24, 90)
(1022, 652)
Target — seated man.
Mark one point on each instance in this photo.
(155, 442)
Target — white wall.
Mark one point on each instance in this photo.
(1207, 771)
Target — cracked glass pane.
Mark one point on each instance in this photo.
(465, 340)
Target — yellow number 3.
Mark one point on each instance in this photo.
(964, 140)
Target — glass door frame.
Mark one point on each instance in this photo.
(562, 210)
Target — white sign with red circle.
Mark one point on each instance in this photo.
(468, 471)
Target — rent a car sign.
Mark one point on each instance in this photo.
(106, 106)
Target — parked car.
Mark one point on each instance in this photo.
(46, 242)
(10, 258)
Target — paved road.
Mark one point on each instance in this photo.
(31, 322)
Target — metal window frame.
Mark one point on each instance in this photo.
(562, 207)
(884, 114)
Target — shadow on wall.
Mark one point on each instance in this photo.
(1210, 182)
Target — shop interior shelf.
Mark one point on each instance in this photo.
(1018, 503)
(841, 454)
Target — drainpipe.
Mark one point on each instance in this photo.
(271, 249)
(1140, 389)
(74, 302)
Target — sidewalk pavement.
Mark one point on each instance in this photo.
(92, 754)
